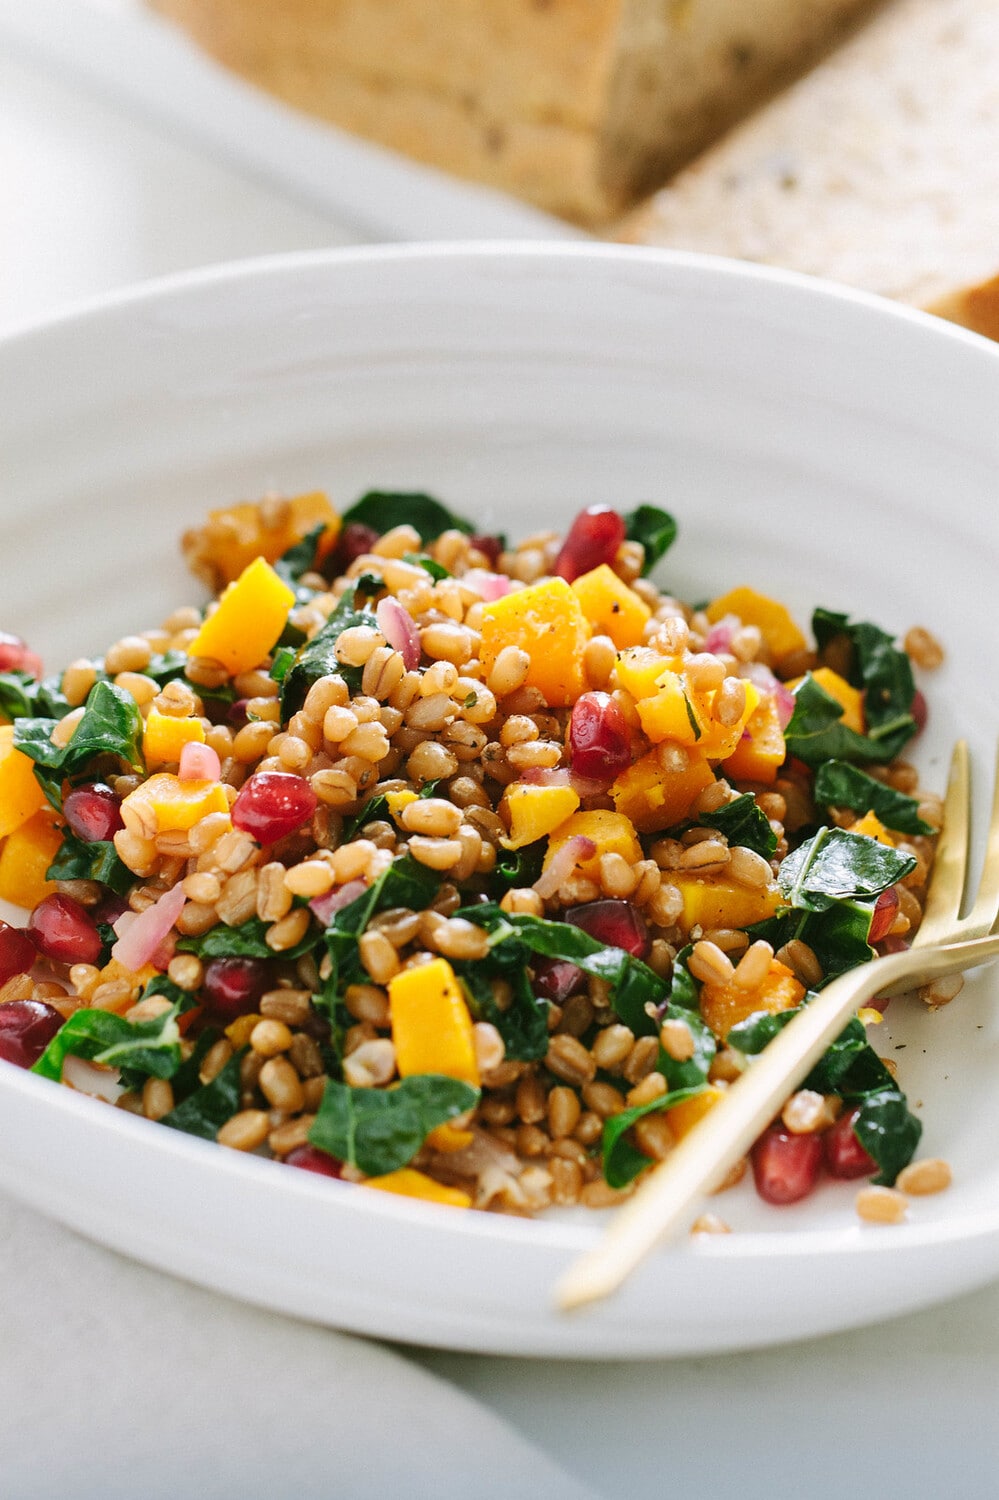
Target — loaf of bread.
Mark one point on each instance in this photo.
(578, 106)
(879, 169)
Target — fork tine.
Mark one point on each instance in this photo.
(982, 917)
(950, 865)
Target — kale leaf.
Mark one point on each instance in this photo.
(111, 726)
(380, 1130)
(318, 657)
(206, 1108)
(654, 528)
(22, 697)
(622, 1161)
(79, 860)
(146, 1049)
(743, 822)
(837, 865)
(838, 784)
(248, 940)
(384, 509)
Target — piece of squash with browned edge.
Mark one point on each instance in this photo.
(25, 856)
(725, 1005)
(611, 607)
(431, 1026)
(20, 794)
(773, 619)
(535, 811)
(717, 901)
(547, 621)
(166, 804)
(653, 799)
(761, 751)
(409, 1183)
(233, 536)
(250, 617)
(612, 832)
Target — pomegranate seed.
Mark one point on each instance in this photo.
(273, 804)
(311, 1159)
(593, 538)
(919, 710)
(93, 812)
(108, 909)
(16, 657)
(17, 952)
(599, 741)
(885, 911)
(232, 986)
(61, 929)
(556, 979)
(617, 924)
(26, 1028)
(355, 539)
(844, 1155)
(786, 1166)
(236, 715)
(489, 546)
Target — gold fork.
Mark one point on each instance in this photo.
(946, 943)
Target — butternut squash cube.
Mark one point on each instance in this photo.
(250, 617)
(772, 619)
(761, 751)
(547, 622)
(714, 901)
(612, 833)
(431, 1026)
(20, 794)
(410, 1183)
(25, 855)
(165, 736)
(719, 740)
(653, 800)
(535, 811)
(670, 713)
(872, 826)
(173, 804)
(851, 698)
(611, 607)
(725, 1005)
(233, 536)
(639, 670)
(689, 1112)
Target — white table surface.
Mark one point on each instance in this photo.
(94, 198)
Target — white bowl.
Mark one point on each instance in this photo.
(827, 447)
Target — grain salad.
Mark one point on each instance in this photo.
(460, 869)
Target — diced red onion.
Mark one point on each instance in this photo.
(399, 629)
(563, 862)
(547, 776)
(719, 637)
(323, 907)
(199, 763)
(761, 676)
(489, 585)
(140, 938)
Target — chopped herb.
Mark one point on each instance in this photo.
(422, 560)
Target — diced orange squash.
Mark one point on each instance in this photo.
(670, 713)
(547, 622)
(638, 671)
(652, 799)
(612, 832)
(844, 692)
(398, 800)
(714, 901)
(165, 736)
(431, 1026)
(236, 534)
(20, 794)
(872, 826)
(251, 615)
(611, 607)
(176, 804)
(725, 1005)
(536, 811)
(447, 1138)
(25, 855)
(719, 740)
(773, 620)
(689, 1112)
(240, 1030)
(410, 1183)
(760, 752)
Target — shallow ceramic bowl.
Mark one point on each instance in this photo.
(826, 447)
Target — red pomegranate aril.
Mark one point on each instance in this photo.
(556, 979)
(919, 710)
(16, 656)
(311, 1159)
(489, 546)
(599, 739)
(786, 1166)
(617, 924)
(60, 928)
(354, 541)
(844, 1155)
(273, 804)
(232, 987)
(594, 537)
(26, 1028)
(885, 911)
(93, 812)
(17, 952)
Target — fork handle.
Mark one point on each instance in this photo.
(701, 1160)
